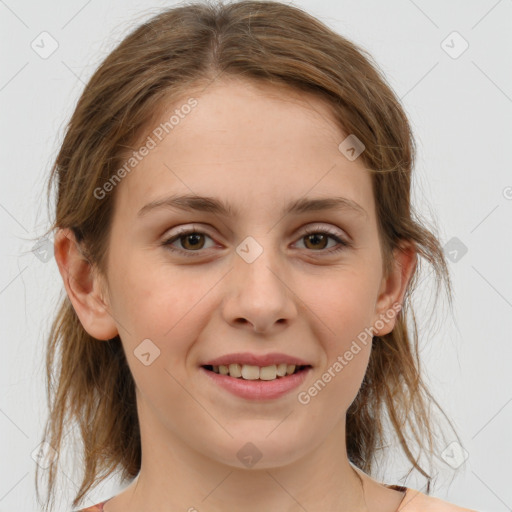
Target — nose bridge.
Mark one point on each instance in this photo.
(259, 293)
(257, 264)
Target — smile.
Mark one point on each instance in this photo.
(252, 372)
(256, 383)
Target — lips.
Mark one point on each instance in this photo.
(262, 360)
(257, 389)
(257, 376)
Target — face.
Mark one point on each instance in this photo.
(256, 279)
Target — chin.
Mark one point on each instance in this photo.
(259, 450)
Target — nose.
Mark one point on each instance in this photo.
(259, 294)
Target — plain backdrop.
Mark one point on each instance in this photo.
(448, 62)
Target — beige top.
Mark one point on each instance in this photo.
(416, 501)
(413, 501)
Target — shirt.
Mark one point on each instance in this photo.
(413, 501)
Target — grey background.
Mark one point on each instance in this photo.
(460, 107)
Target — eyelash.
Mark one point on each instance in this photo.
(343, 244)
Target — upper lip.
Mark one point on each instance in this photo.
(256, 360)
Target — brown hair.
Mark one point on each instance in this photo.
(165, 58)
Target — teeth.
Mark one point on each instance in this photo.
(290, 369)
(281, 369)
(268, 372)
(235, 370)
(251, 372)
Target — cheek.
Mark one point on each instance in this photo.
(339, 381)
(346, 307)
(330, 395)
(158, 300)
(344, 302)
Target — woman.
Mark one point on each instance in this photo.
(235, 236)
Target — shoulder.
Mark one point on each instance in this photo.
(416, 501)
(94, 508)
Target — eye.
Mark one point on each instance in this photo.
(192, 241)
(318, 237)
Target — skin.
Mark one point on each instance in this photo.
(258, 148)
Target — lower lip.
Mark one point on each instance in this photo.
(258, 389)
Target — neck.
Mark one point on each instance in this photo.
(174, 476)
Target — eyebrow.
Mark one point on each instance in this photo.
(217, 206)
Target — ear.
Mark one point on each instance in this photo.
(84, 286)
(393, 288)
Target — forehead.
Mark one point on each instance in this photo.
(258, 145)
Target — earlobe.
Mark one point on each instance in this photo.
(394, 287)
(84, 286)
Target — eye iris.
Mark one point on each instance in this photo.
(193, 236)
(314, 237)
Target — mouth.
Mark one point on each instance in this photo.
(256, 383)
(253, 372)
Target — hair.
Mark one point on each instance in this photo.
(176, 52)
